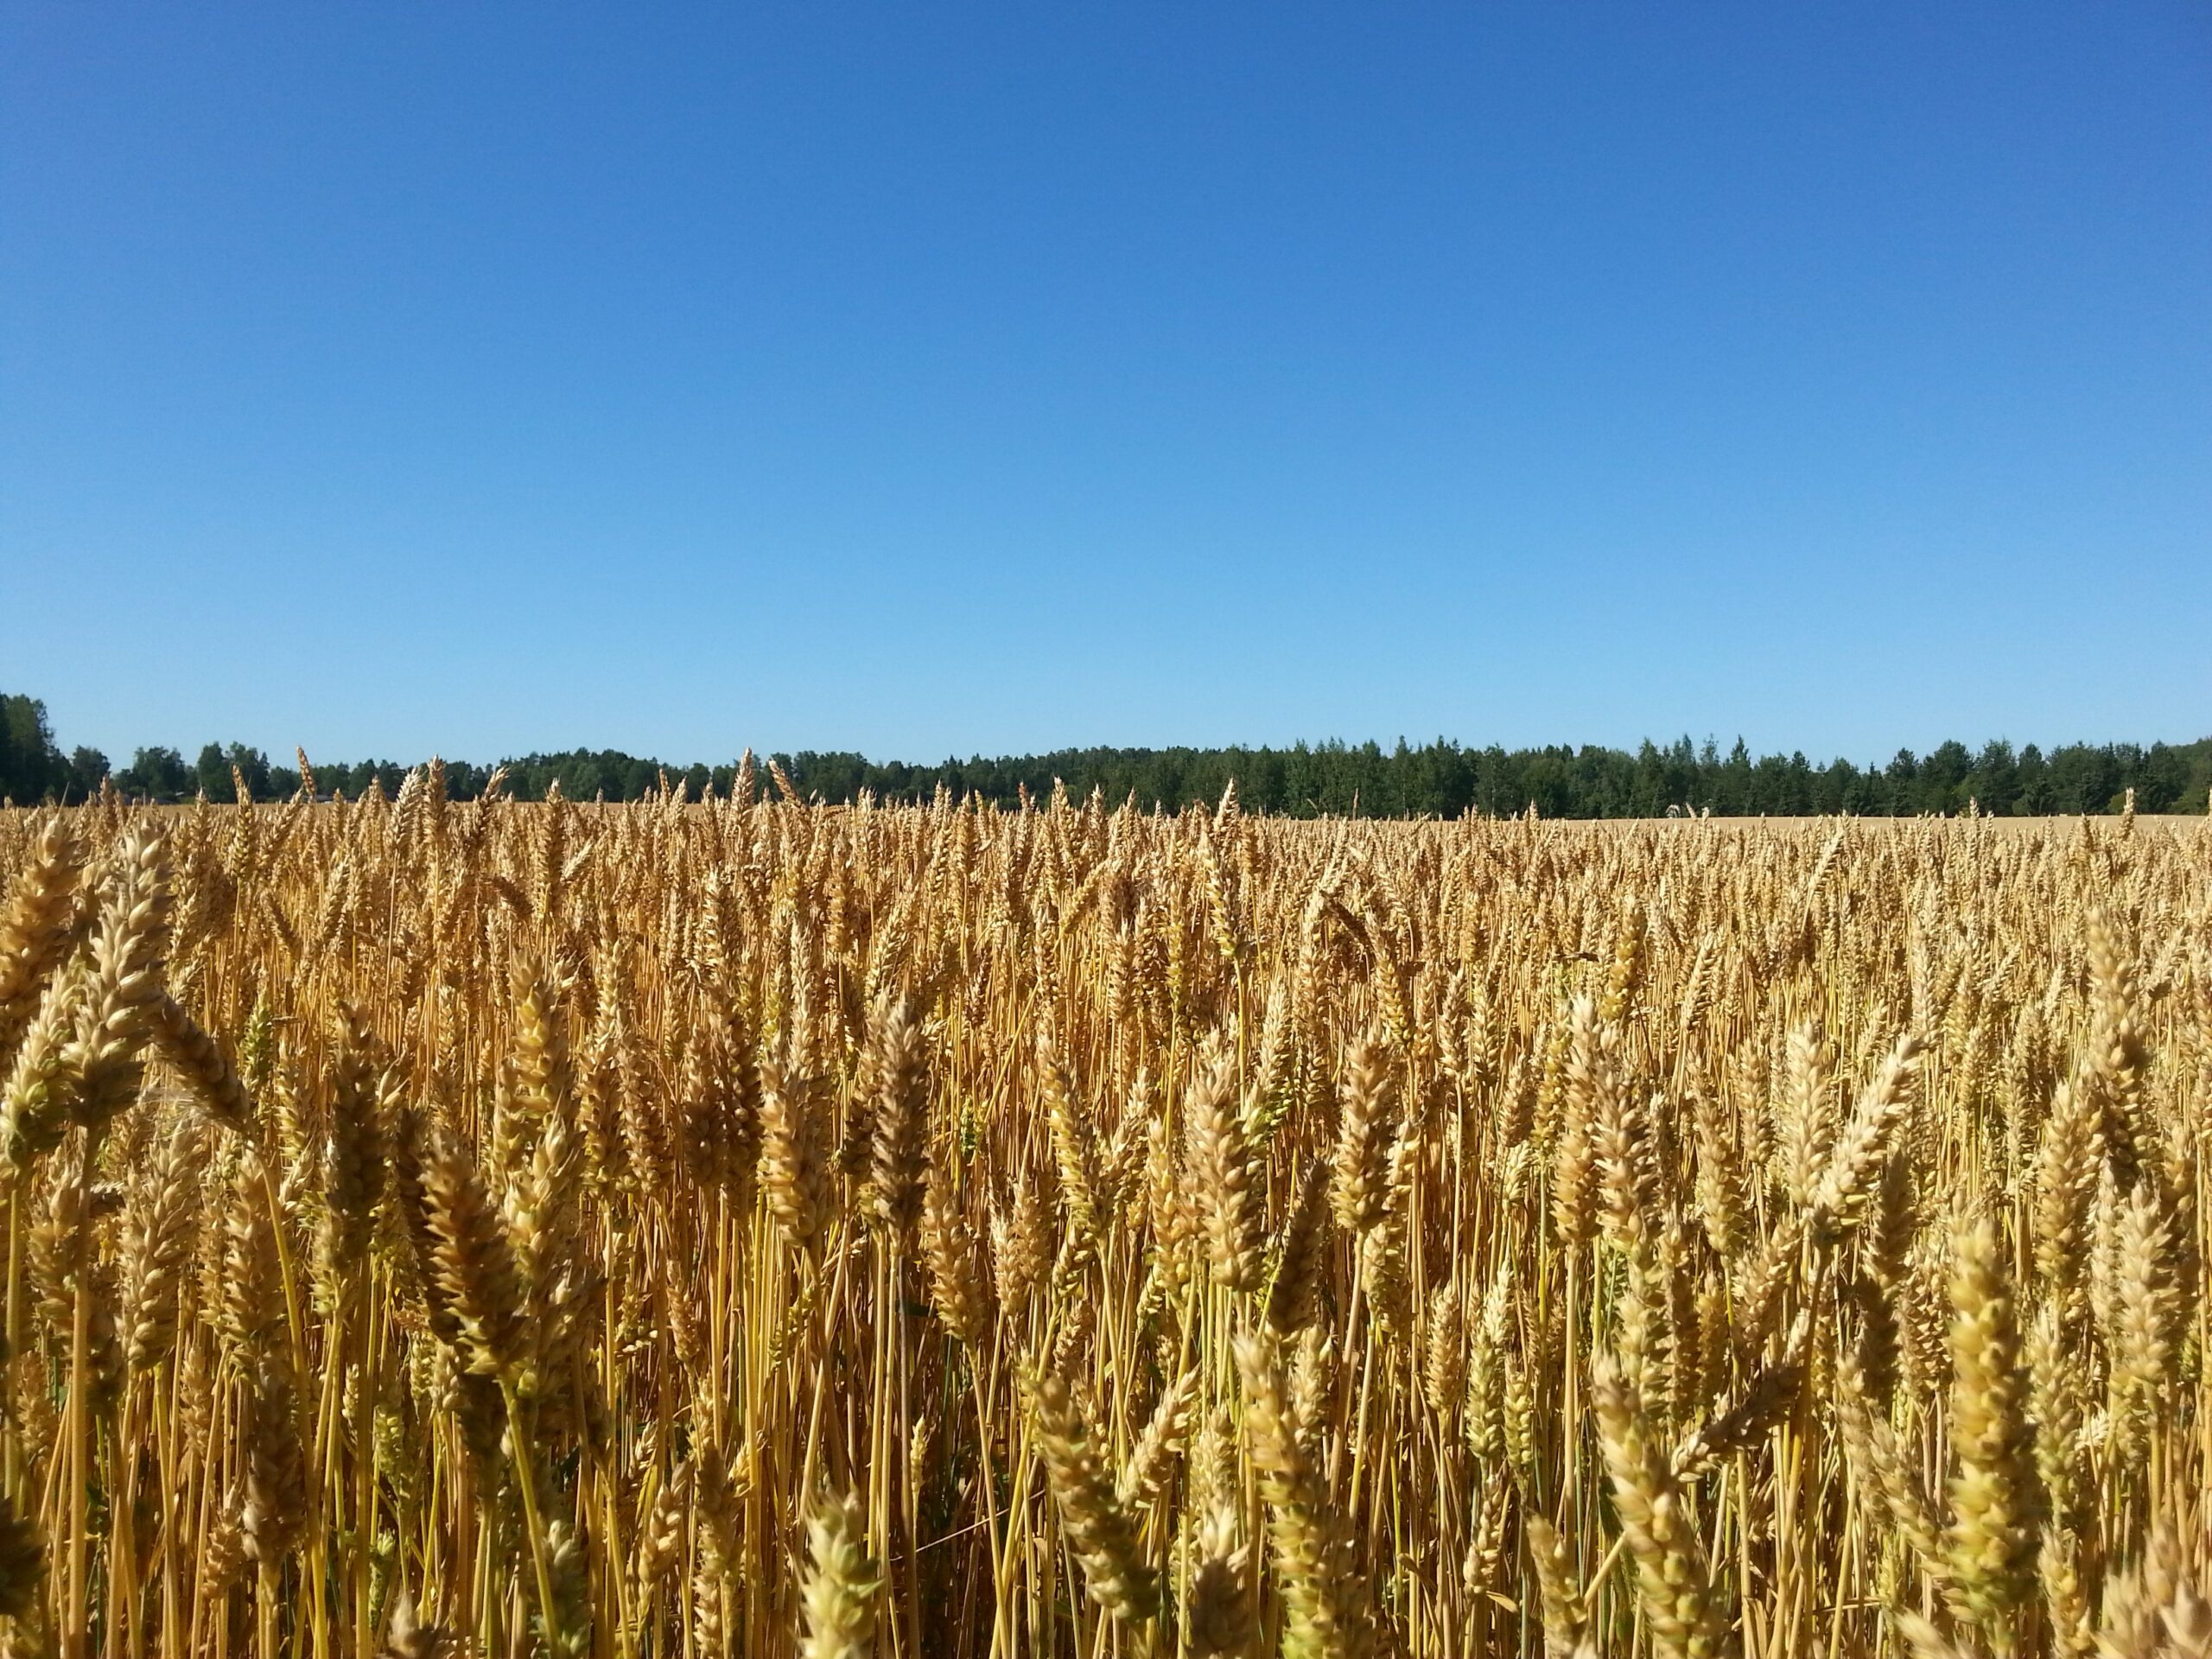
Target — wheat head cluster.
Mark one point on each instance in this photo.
(757, 1227)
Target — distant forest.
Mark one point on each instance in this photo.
(1442, 778)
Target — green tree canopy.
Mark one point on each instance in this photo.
(1439, 778)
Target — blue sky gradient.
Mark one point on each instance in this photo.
(986, 378)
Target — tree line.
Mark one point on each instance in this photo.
(1440, 778)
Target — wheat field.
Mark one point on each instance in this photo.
(753, 1227)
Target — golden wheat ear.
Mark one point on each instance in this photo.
(36, 929)
(839, 1594)
(1100, 1528)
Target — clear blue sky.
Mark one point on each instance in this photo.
(931, 378)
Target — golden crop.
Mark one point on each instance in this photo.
(762, 1228)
